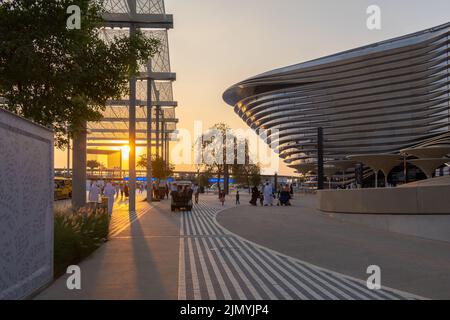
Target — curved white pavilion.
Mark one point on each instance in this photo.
(377, 99)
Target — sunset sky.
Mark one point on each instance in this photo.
(216, 43)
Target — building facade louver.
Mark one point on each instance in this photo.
(379, 98)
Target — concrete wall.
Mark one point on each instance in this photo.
(26, 207)
(433, 227)
(423, 200)
(415, 211)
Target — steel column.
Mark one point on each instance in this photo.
(132, 128)
(320, 166)
(149, 139)
(79, 165)
(158, 131)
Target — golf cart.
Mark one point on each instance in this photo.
(182, 199)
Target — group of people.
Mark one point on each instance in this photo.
(109, 190)
(183, 190)
(267, 196)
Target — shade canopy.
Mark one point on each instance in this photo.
(428, 166)
(342, 165)
(383, 162)
(428, 152)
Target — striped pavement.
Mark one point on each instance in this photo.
(216, 264)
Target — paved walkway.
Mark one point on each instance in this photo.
(215, 264)
(407, 263)
(157, 254)
(139, 262)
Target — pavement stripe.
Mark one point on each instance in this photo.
(207, 225)
(260, 263)
(202, 226)
(189, 222)
(229, 273)
(205, 272)
(246, 281)
(217, 273)
(187, 225)
(195, 281)
(270, 261)
(181, 272)
(198, 225)
(181, 264)
(331, 292)
(251, 271)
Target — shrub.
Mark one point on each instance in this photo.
(77, 235)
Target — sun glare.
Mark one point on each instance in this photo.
(125, 152)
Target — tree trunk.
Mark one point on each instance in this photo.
(218, 181)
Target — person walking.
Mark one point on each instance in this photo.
(126, 191)
(255, 196)
(122, 190)
(237, 198)
(222, 197)
(117, 189)
(196, 190)
(268, 195)
(285, 197)
(94, 193)
(109, 193)
(167, 190)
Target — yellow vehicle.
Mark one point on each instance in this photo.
(63, 188)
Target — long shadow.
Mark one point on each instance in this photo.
(148, 270)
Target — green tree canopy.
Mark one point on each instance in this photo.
(58, 77)
(93, 164)
(160, 170)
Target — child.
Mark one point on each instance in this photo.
(237, 198)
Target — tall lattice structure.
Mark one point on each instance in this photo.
(113, 129)
(146, 116)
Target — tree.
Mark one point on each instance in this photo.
(58, 77)
(216, 164)
(254, 174)
(220, 164)
(160, 170)
(247, 173)
(93, 164)
(203, 179)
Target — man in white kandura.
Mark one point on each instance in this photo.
(110, 192)
(94, 193)
(268, 194)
